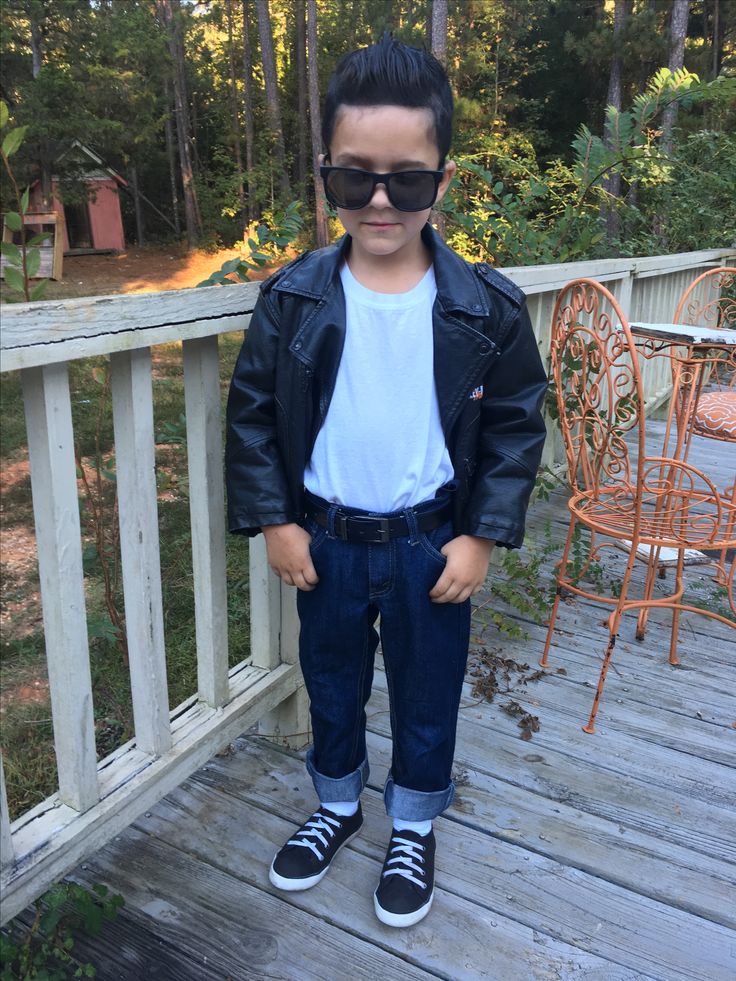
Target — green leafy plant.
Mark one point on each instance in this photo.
(265, 244)
(23, 261)
(41, 946)
(504, 208)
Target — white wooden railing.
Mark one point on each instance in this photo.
(96, 800)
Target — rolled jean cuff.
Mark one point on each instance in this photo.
(337, 788)
(416, 805)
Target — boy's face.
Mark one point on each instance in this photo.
(382, 139)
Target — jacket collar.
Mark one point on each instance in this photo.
(458, 288)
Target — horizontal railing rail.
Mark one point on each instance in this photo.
(95, 800)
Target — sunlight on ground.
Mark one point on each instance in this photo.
(183, 272)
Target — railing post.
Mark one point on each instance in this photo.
(132, 401)
(274, 636)
(6, 841)
(58, 537)
(626, 290)
(206, 497)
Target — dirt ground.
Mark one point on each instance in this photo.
(137, 270)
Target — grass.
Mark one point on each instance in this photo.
(29, 760)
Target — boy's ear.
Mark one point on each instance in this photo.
(321, 159)
(450, 170)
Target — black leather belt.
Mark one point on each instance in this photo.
(373, 529)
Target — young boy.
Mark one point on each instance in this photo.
(384, 431)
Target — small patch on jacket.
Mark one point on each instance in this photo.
(477, 394)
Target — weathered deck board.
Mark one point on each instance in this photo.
(242, 840)
(631, 801)
(550, 829)
(221, 925)
(565, 903)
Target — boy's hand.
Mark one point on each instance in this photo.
(288, 555)
(466, 569)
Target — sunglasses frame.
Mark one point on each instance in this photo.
(326, 169)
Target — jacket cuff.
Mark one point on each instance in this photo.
(505, 536)
(245, 523)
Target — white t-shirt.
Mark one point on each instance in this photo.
(381, 447)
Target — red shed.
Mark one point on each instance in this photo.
(95, 225)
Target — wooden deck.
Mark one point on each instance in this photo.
(604, 857)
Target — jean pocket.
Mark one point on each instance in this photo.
(433, 541)
(318, 533)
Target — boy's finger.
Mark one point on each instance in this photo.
(444, 590)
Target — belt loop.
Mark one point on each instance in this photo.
(410, 517)
(331, 513)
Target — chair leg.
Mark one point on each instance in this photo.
(589, 727)
(679, 587)
(652, 572)
(613, 624)
(562, 567)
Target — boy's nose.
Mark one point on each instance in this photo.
(380, 197)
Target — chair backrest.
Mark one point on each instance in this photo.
(598, 387)
(710, 300)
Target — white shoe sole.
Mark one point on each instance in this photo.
(297, 885)
(402, 919)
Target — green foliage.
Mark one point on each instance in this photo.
(42, 946)
(265, 244)
(23, 261)
(522, 72)
(506, 210)
(519, 591)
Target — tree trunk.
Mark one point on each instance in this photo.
(171, 156)
(36, 16)
(320, 211)
(678, 30)
(168, 12)
(301, 94)
(716, 38)
(612, 184)
(248, 111)
(439, 50)
(272, 93)
(235, 115)
(439, 30)
(139, 227)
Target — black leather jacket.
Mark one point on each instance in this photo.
(488, 373)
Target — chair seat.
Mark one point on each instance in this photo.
(687, 521)
(715, 415)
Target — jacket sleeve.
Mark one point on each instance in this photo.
(510, 438)
(257, 487)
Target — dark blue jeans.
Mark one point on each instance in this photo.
(425, 649)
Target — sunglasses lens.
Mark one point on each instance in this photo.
(414, 190)
(411, 190)
(351, 189)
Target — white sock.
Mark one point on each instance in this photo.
(343, 808)
(418, 827)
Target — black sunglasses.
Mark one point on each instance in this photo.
(407, 190)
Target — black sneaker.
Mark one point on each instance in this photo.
(406, 887)
(306, 857)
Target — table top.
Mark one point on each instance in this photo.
(686, 334)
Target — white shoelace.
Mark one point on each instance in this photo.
(406, 854)
(314, 828)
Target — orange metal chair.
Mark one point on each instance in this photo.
(710, 301)
(619, 492)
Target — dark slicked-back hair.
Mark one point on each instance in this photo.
(390, 73)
